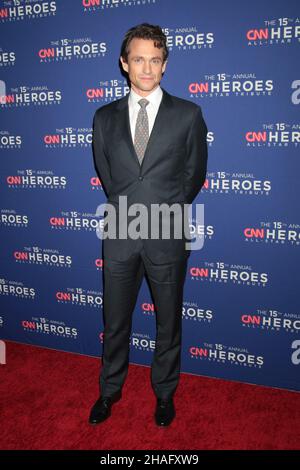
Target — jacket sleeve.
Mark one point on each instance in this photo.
(196, 159)
(100, 157)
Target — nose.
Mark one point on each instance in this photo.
(147, 67)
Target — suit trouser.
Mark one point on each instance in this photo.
(122, 281)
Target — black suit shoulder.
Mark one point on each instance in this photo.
(186, 106)
(182, 105)
(108, 108)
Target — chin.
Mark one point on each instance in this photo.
(146, 84)
(144, 87)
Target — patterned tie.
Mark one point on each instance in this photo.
(141, 135)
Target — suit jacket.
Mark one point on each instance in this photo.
(173, 168)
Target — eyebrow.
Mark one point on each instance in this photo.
(141, 57)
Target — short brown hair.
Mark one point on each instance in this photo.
(145, 31)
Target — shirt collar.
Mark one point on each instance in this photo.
(154, 97)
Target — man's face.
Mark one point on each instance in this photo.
(145, 65)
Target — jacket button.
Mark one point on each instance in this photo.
(141, 178)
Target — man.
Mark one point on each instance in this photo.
(151, 147)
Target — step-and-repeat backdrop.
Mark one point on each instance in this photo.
(59, 62)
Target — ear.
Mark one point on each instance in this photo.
(124, 64)
(164, 66)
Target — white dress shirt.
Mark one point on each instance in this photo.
(154, 99)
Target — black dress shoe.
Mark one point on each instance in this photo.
(165, 412)
(102, 408)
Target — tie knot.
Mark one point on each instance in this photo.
(143, 103)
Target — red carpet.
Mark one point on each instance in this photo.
(46, 396)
